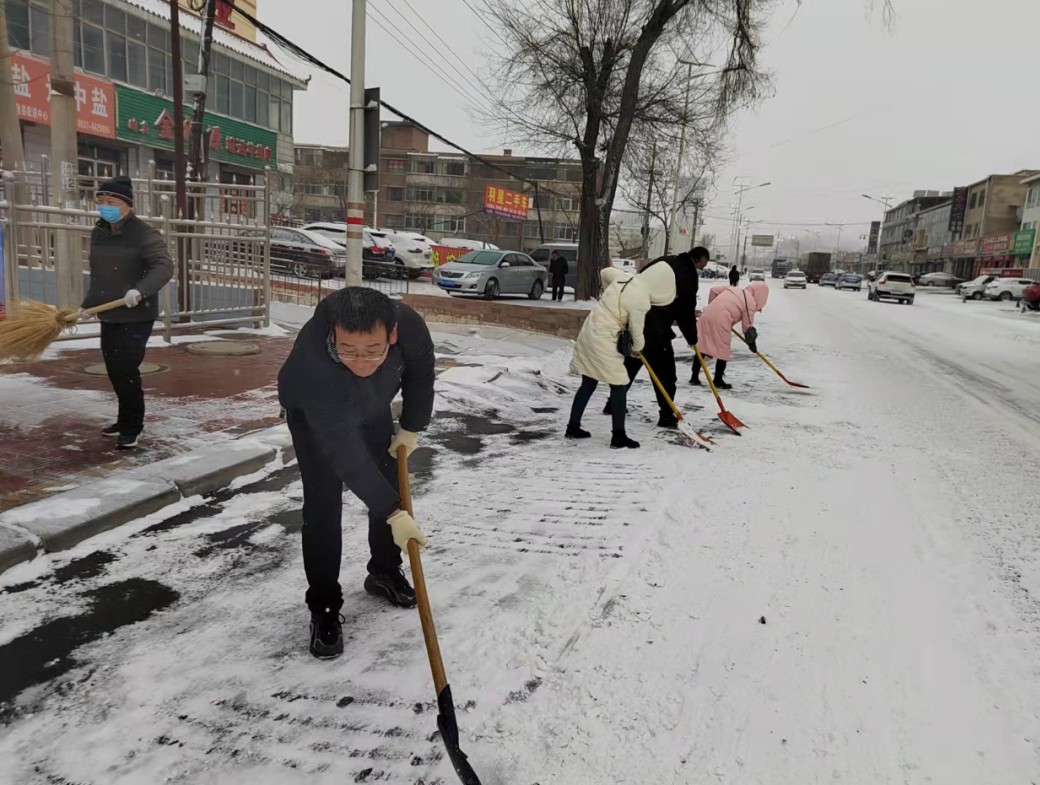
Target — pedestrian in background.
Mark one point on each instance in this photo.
(726, 307)
(734, 276)
(348, 363)
(129, 260)
(598, 357)
(558, 268)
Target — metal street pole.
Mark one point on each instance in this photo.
(199, 110)
(356, 154)
(68, 261)
(179, 164)
(645, 248)
(678, 162)
(10, 129)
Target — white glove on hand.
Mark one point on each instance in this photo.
(405, 529)
(133, 297)
(406, 438)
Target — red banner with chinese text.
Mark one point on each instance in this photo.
(508, 204)
(442, 254)
(95, 98)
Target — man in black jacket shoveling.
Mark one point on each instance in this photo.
(128, 261)
(349, 361)
(658, 333)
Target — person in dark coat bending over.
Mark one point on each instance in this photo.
(658, 332)
(129, 261)
(558, 268)
(349, 361)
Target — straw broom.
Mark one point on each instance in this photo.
(32, 326)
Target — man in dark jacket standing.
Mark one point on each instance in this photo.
(657, 329)
(129, 261)
(558, 268)
(349, 361)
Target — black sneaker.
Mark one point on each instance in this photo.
(620, 440)
(112, 430)
(668, 421)
(392, 586)
(127, 441)
(326, 634)
(577, 432)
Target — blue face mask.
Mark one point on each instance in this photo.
(109, 213)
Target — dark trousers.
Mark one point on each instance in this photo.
(323, 514)
(557, 286)
(123, 346)
(618, 399)
(662, 360)
(720, 369)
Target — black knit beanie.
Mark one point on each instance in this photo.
(119, 187)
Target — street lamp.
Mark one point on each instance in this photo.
(740, 201)
(883, 200)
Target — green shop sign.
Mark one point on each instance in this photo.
(1022, 242)
(145, 119)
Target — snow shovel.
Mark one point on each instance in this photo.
(696, 438)
(446, 722)
(727, 417)
(775, 370)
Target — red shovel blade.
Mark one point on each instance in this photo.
(731, 421)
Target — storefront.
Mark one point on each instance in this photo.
(963, 254)
(234, 152)
(1022, 247)
(994, 253)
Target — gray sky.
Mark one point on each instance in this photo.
(943, 99)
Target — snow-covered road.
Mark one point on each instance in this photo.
(601, 612)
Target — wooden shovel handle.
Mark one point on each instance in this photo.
(433, 648)
(98, 309)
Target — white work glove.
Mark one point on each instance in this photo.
(81, 315)
(405, 529)
(133, 297)
(406, 438)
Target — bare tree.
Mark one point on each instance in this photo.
(424, 216)
(589, 73)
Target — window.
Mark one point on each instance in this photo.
(40, 31)
(137, 29)
(263, 80)
(156, 70)
(286, 91)
(286, 117)
(424, 166)
(93, 11)
(275, 113)
(393, 221)
(221, 64)
(395, 164)
(115, 20)
(451, 196)
(117, 57)
(249, 96)
(971, 203)
(982, 198)
(262, 116)
(978, 228)
(1031, 196)
(236, 99)
(190, 53)
(221, 94)
(18, 23)
(512, 229)
(93, 49)
(449, 223)
(237, 69)
(136, 65)
(564, 231)
(421, 194)
(395, 194)
(159, 38)
(455, 168)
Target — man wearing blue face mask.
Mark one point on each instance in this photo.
(129, 261)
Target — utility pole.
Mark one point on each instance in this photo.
(199, 110)
(68, 262)
(179, 174)
(10, 128)
(645, 251)
(356, 154)
(678, 162)
(696, 220)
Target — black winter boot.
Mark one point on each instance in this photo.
(621, 440)
(393, 586)
(667, 420)
(722, 384)
(577, 432)
(326, 634)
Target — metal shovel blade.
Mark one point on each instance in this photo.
(696, 439)
(731, 422)
(449, 728)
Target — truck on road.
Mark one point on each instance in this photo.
(815, 264)
(781, 267)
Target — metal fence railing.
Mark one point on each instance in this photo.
(304, 283)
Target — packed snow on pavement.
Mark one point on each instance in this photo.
(845, 593)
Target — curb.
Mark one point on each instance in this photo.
(66, 519)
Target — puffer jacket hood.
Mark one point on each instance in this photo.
(659, 280)
(760, 292)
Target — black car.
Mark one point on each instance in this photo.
(829, 279)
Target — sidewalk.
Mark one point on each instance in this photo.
(52, 411)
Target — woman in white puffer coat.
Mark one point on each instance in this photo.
(625, 301)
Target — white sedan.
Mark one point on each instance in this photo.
(795, 279)
(1007, 288)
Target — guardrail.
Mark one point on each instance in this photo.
(304, 283)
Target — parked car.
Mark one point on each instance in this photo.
(1030, 298)
(939, 279)
(491, 273)
(1007, 288)
(412, 249)
(894, 286)
(850, 281)
(568, 251)
(306, 254)
(828, 279)
(756, 275)
(976, 289)
(462, 242)
(377, 252)
(795, 279)
(625, 265)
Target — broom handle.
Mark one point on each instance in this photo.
(433, 648)
(72, 317)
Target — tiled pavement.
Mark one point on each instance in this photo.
(51, 413)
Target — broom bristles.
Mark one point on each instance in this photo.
(30, 328)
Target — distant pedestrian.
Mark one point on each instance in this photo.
(558, 268)
(349, 362)
(734, 276)
(129, 260)
(727, 306)
(622, 306)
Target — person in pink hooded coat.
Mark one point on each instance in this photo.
(727, 305)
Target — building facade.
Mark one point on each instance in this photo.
(124, 76)
(896, 245)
